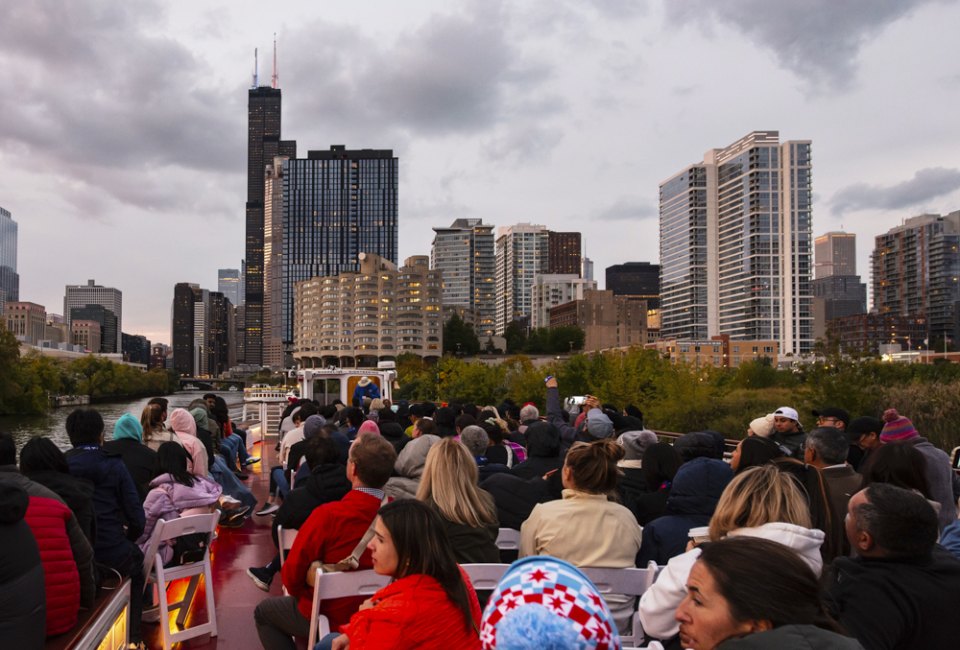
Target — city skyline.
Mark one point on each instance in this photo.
(140, 184)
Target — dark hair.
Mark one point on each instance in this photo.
(900, 465)
(830, 443)
(321, 450)
(445, 419)
(901, 522)
(429, 408)
(423, 548)
(494, 432)
(307, 409)
(172, 459)
(355, 416)
(84, 427)
(594, 465)
(633, 411)
(328, 412)
(426, 426)
(220, 411)
(40, 454)
(416, 410)
(814, 488)
(209, 396)
(162, 402)
(463, 421)
(471, 410)
(386, 415)
(764, 580)
(8, 449)
(373, 458)
(756, 451)
(660, 463)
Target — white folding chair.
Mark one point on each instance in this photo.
(485, 577)
(285, 537)
(155, 572)
(508, 539)
(628, 582)
(339, 585)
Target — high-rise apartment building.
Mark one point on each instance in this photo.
(521, 256)
(464, 253)
(552, 289)
(563, 253)
(185, 295)
(835, 253)
(915, 269)
(273, 304)
(263, 145)
(336, 205)
(375, 314)
(230, 284)
(635, 280)
(837, 289)
(202, 331)
(109, 298)
(9, 280)
(736, 245)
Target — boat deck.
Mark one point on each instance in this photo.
(234, 550)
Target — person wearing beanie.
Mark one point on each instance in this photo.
(634, 444)
(762, 426)
(369, 426)
(141, 461)
(899, 430)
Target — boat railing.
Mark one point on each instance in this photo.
(102, 627)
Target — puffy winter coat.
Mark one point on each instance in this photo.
(22, 599)
(792, 637)
(48, 519)
(168, 500)
(409, 468)
(414, 612)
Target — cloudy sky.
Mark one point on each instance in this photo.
(122, 125)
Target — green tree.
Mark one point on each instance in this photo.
(459, 337)
(516, 337)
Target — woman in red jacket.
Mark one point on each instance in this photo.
(430, 604)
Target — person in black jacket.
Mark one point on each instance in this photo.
(327, 483)
(141, 461)
(543, 451)
(660, 464)
(391, 429)
(23, 602)
(42, 461)
(516, 497)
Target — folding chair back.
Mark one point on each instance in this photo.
(628, 582)
(285, 537)
(485, 577)
(340, 585)
(508, 539)
(155, 572)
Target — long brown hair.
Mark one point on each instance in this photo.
(449, 481)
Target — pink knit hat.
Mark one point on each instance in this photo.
(368, 425)
(897, 427)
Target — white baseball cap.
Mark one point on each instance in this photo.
(787, 412)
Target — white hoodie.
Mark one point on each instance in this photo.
(659, 603)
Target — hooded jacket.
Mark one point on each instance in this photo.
(543, 451)
(208, 432)
(409, 468)
(325, 484)
(48, 519)
(185, 427)
(693, 498)
(141, 461)
(659, 603)
(77, 493)
(939, 478)
(393, 432)
(22, 593)
(168, 500)
(793, 637)
(516, 497)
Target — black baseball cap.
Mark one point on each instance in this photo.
(833, 412)
(862, 426)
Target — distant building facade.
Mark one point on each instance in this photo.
(837, 289)
(109, 325)
(606, 320)
(26, 320)
(230, 284)
(553, 289)
(835, 253)
(9, 279)
(136, 349)
(376, 314)
(563, 253)
(87, 334)
(718, 352)
(865, 333)
(464, 253)
(736, 245)
(521, 256)
(91, 293)
(635, 280)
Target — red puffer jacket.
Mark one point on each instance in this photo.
(47, 519)
(414, 612)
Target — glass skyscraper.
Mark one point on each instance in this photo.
(736, 245)
(9, 280)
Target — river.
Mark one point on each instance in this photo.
(52, 424)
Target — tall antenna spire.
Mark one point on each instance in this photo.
(274, 78)
(256, 69)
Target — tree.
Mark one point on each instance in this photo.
(459, 337)
(516, 337)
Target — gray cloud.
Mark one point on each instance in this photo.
(628, 208)
(818, 40)
(523, 143)
(926, 184)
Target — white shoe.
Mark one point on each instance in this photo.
(268, 509)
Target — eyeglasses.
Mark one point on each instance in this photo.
(824, 420)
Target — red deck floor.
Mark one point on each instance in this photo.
(234, 550)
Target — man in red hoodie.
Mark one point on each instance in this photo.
(330, 534)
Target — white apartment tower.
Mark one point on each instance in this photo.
(464, 255)
(521, 257)
(736, 244)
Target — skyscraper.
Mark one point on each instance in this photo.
(230, 284)
(915, 268)
(263, 144)
(736, 244)
(184, 295)
(91, 293)
(272, 265)
(336, 205)
(9, 280)
(464, 255)
(636, 280)
(837, 289)
(563, 253)
(521, 256)
(835, 253)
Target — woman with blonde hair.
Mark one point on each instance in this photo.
(762, 502)
(469, 515)
(155, 432)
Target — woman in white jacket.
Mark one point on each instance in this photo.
(760, 502)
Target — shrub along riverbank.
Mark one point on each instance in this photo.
(682, 398)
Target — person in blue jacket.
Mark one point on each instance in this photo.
(365, 388)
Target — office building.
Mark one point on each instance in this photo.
(272, 266)
(521, 256)
(464, 253)
(87, 334)
(736, 245)
(718, 352)
(563, 253)
(552, 289)
(109, 326)
(607, 321)
(230, 284)
(26, 320)
(835, 253)
(865, 333)
(837, 289)
(136, 349)
(635, 280)
(185, 295)
(263, 145)
(915, 269)
(9, 280)
(375, 314)
(586, 268)
(91, 293)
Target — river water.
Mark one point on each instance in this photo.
(52, 424)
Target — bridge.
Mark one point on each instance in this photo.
(210, 384)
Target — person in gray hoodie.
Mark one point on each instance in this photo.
(409, 468)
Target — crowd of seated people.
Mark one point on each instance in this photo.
(784, 543)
